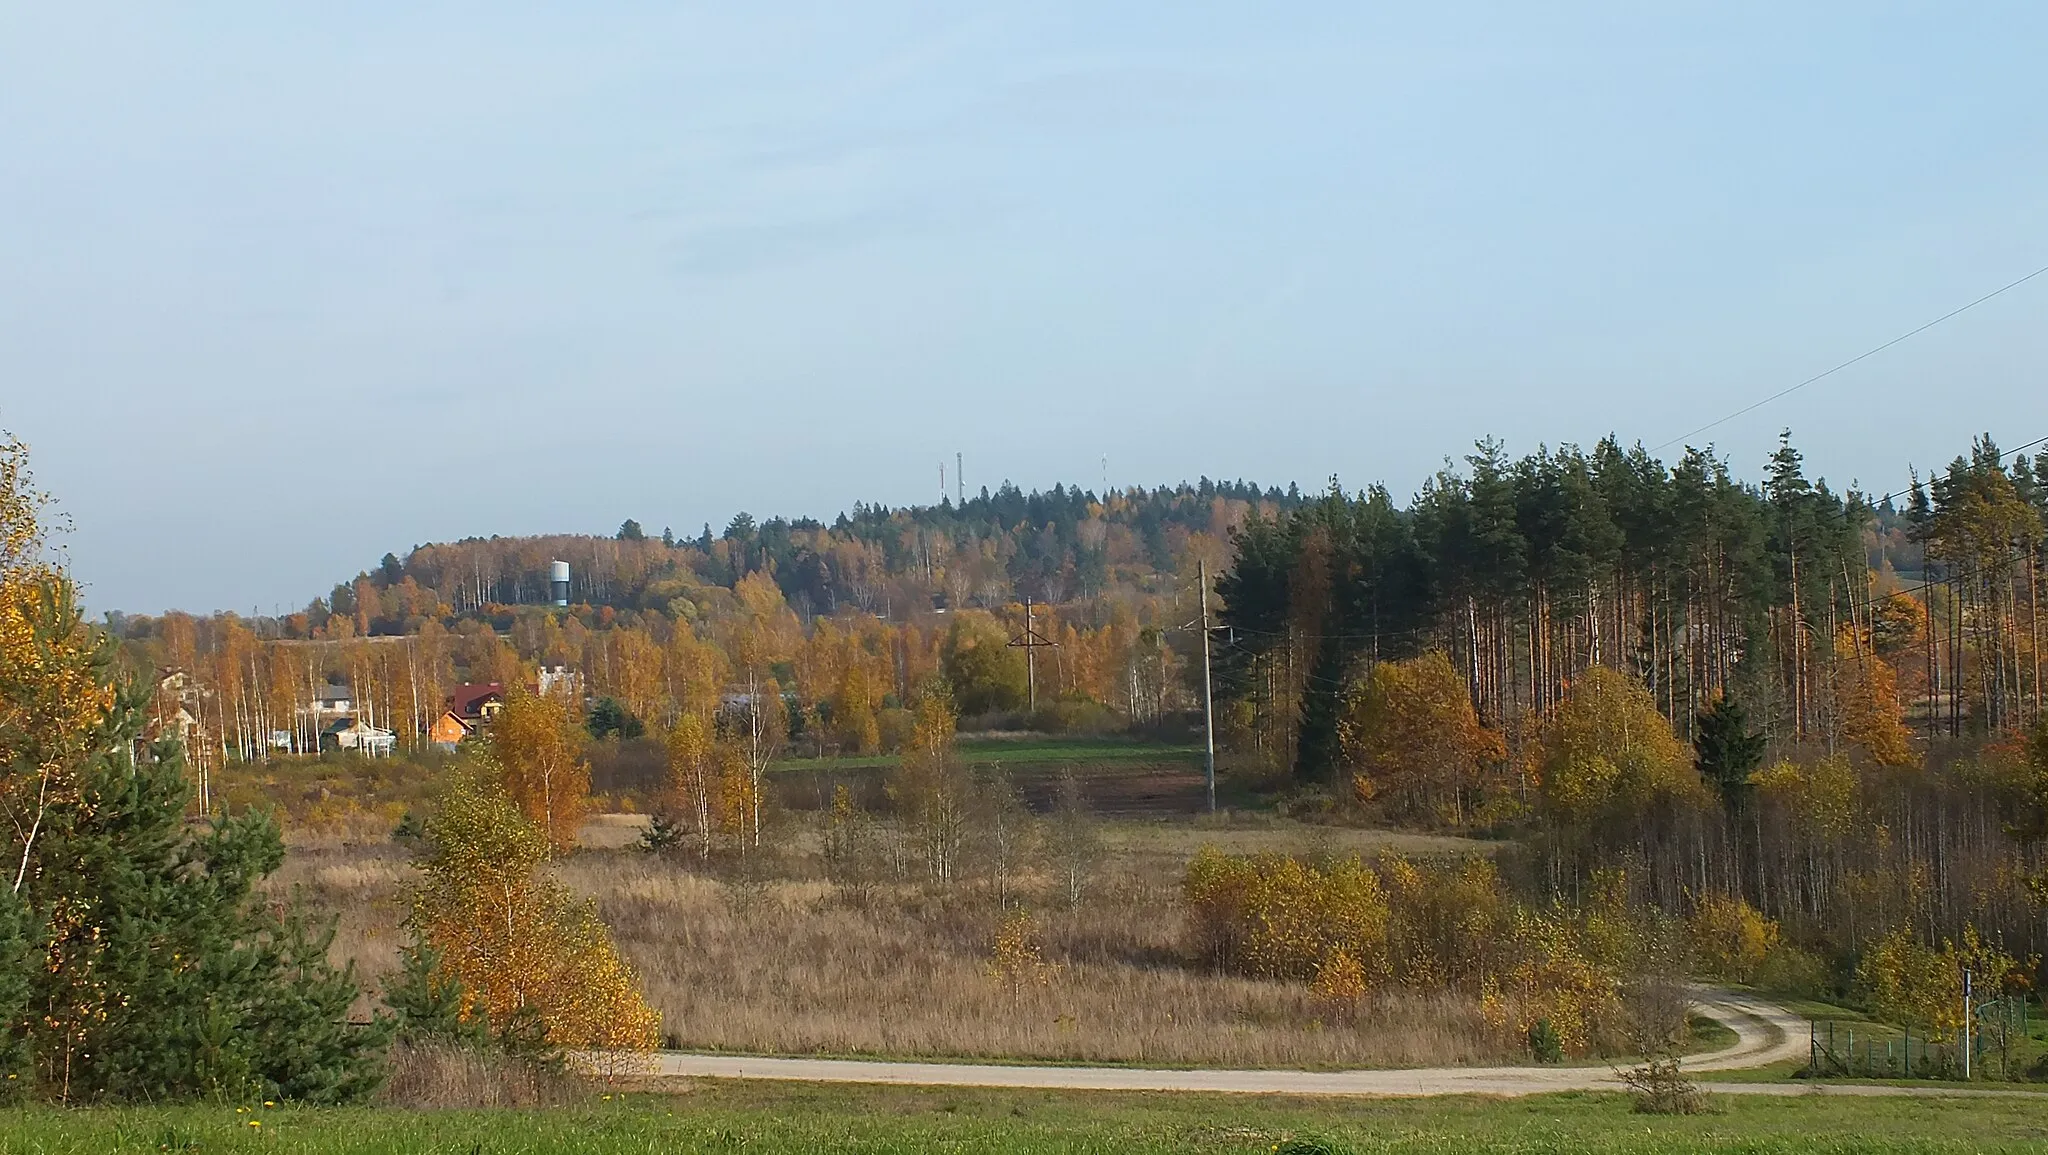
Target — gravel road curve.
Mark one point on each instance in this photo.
(1765, 1034)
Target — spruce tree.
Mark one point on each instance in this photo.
(1727, 751)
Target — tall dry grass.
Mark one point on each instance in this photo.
(364, 887)
(782, 962)
(439, 1076)
(786, 966)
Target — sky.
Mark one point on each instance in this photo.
(283, 287)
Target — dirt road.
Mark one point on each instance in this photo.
(1765, 1034)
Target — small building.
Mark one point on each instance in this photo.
(559, 679)
(475, 703)
(332, 699)
(177, 726)
(448, 731)
(174, 712)
(358, 735)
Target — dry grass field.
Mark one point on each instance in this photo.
(773, 958)
(789, 966)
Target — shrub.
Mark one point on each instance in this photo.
(1660, 1088)
(1016, 960)
(1730, 938)
(1340, 982)
(1544, 1045)
(1447, 923)
(1788, 970)
(1907, 982)
(1349, 927)
(1554, 978)
(1278, 917)
(895, 725)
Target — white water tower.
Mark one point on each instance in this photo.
(558, 583)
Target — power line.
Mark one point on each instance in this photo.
(2002, 455)
(1755, 405)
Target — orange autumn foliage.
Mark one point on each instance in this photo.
(519, 943)
(1413, 742)
(54, 683)
(535, 745)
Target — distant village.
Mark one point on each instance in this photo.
(334, 719)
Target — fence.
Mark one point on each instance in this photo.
(1999, 1048)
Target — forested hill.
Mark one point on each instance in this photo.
(996, 547)
(1821, 609)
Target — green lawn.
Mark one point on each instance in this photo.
(750, 1117)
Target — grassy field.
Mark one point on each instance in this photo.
(1120, 778)
(787, 965)
(743, 1117)
(983, 751)
(782, 963)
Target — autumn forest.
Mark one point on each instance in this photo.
(1499, 765)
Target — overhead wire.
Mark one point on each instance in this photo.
(1865, 355)
(2001, 455)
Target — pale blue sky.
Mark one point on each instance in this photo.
(285, 286)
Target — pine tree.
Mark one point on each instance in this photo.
(426, 1001)
(17, 1072)
(1728, 753)
(136, 959)
(162, 975)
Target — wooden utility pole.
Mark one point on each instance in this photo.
(1208, 693)
(1029, 641)
(1030, 663)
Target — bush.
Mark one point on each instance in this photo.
(1544, 1045)
(1076, 716)
(1730, 938)
(1278, 917)
(1903, 981)
(1788, 970)
(895, 726)
(1662, 1089)
(1435, 927)
(1340, 983)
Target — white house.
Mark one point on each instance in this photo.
(360, 736)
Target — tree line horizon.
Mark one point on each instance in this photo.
(1524, 569)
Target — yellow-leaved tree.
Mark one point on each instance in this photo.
(1818, 799)
(932, 787)
(1730, 938)
(524, 950)
(54, 685)
(1905, 981)
(536, 747)
(853, 718)
(1413, 742)
(1608, 760)
(690, 793)
(1864, 695)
